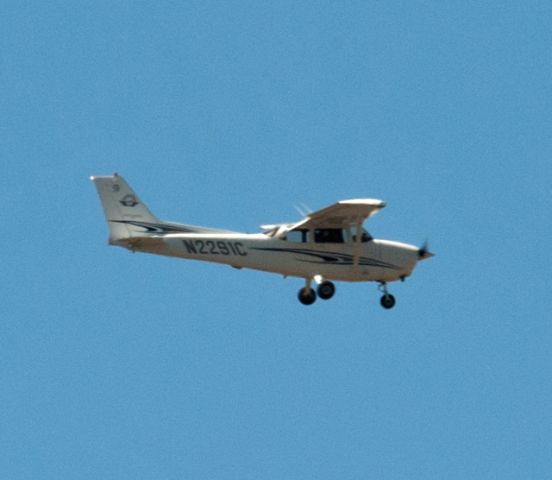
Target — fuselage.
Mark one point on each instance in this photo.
(373, 260)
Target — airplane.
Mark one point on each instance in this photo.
(325, 246)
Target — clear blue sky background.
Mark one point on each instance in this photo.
(122, 366)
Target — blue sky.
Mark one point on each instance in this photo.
(117, 365)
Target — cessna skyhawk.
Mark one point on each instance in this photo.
(325, 246)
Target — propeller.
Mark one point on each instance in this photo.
(424, 252)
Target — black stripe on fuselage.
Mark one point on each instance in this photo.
(334, 258)
(156, 227)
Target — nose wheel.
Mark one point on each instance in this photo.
(387, 300)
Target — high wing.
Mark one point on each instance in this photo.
(342, 214)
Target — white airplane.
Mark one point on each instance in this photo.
(329, 244)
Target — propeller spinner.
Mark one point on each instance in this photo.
(424, 253)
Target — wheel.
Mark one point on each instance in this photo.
(326, 290)
(307, 296)
(387, 301)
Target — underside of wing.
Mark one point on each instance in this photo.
(342, 213)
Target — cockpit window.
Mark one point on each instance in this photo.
(328, 235)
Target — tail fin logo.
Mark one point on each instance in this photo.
(129, 200)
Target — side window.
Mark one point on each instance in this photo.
(328, 235)
(298, 236)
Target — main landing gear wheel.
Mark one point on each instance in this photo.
(307, 296)
(326, 290)
(387, 301)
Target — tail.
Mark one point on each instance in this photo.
(126, 215)
(131, 224)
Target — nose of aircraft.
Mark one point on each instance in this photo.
(424, 253)
(403, 256)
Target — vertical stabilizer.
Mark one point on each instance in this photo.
(126, 215)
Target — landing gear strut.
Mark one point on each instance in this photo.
(387, 300)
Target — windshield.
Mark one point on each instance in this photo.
(364, 235)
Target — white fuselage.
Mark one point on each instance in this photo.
(374, 260)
